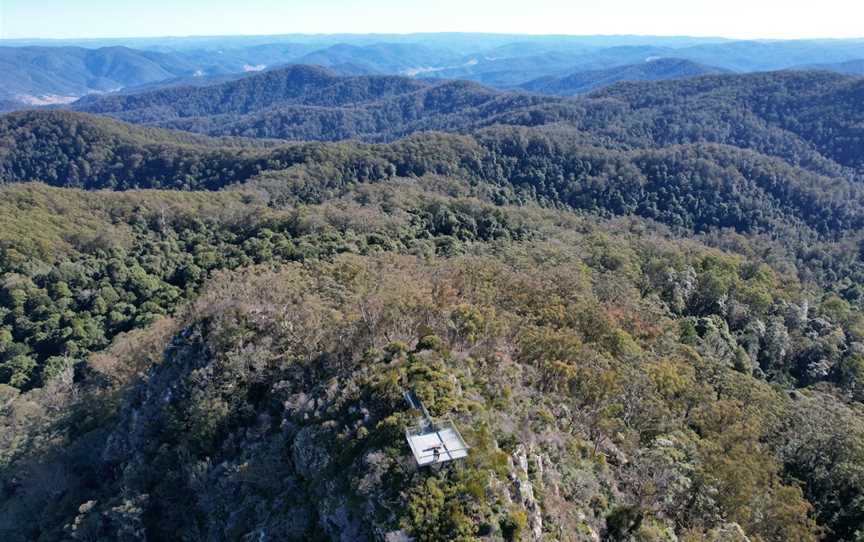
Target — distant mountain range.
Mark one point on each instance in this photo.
(41, 72)
(851, 67)
(651, 70)
(382, 58)
(44, 75)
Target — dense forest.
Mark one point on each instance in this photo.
(311, 103)
(811, 119)
(652, 69)
(644, 309)
(655, 369)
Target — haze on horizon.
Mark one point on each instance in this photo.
(740, 19)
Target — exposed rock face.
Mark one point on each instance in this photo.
(339, 523)
(264, 484)
(523, 490)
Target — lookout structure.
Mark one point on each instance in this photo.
(431, 441)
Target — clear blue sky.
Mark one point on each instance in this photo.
(139, 18)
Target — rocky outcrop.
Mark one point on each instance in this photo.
(523, 489)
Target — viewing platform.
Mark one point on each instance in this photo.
(431, 441)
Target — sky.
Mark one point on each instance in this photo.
(749, 19)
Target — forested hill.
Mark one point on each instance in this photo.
(212, 364)
(308, 102)
(809, 119)
(47, 74)
(584, 81)
(820, 108)
(76, 149)
(851, 67)
(696, 186)
(293, 85)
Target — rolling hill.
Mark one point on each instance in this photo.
(36, 75)
(580, 82)
(809, 119)
(808, 110)
(96, 152)
(850, 67)
(294, 85)
(738, 183)
(307, 102)
(381, 58)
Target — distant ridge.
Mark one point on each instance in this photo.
(293, 84)
(311, 102)
(810, 119)
(851, 67)
(33, 73)
(803, 116)
(38, 72)
(581, 82)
